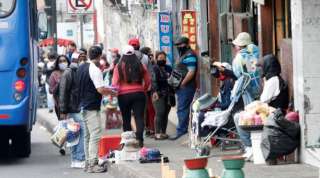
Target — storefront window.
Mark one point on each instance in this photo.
(6, 7)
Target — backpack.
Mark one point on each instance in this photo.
(245, 62)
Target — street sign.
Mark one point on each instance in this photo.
(166, 34)
(80, 6)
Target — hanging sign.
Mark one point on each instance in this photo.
(189, 27)
(166, 34)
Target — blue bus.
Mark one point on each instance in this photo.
(18, 75)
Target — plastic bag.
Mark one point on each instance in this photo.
(67, 131)
(60, 135)
(73, 134)
(280, 136)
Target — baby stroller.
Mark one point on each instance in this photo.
(219, 119)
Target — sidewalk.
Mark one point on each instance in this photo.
(177, 152)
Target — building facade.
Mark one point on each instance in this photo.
(287, 28)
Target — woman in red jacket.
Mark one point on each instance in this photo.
(133, 80)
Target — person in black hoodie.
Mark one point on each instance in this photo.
(275, 89)
(69, 106)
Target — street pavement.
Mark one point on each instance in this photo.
(177, 151)
(44, 162)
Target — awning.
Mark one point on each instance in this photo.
(50, 42)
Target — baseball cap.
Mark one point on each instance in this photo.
(134, 42)
(182, 40)
(114, 50)
(127, 50)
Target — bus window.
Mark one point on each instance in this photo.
(6, 7)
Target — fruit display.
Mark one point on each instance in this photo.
(255, 114)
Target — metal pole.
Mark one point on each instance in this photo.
(81, 30)
(54, 25)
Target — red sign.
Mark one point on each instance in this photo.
(80, 6)
(189, 27)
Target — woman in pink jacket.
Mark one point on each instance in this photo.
(133, 80)
(60, 65)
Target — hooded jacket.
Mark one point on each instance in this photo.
(271, 71)
(69, 91)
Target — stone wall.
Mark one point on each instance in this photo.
(119, 27)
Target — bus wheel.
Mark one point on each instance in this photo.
(4, 148)
(21, 144)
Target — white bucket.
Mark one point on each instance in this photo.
(256, 137)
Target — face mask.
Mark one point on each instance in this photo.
(182, 50)
(63, 66)
(161, 63)
(50, 64)
(222, 77)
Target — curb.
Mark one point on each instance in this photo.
(128, 171)
(120, 170)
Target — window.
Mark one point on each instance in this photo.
(6, 7)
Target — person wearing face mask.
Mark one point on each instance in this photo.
(60, 66)
(225, 87)
(69, 107)
(187, 65)
(161, 93)
(47, 71)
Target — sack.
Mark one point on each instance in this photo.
(73, 135)
(280, 137)
(171, 100)
(60, 135)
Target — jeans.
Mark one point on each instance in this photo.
(244, 135)
(162, 112)
(185, 96)
(77, 151)
(50, 101)
(135, 102)
(92, 134)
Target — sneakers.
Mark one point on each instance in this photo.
(77, 164)
(96, 169)
(248, 155)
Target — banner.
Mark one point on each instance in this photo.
(189, 27)
(166, 35)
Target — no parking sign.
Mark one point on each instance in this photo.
(80, 6)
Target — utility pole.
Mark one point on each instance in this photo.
(81, 29)
(54, 24)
